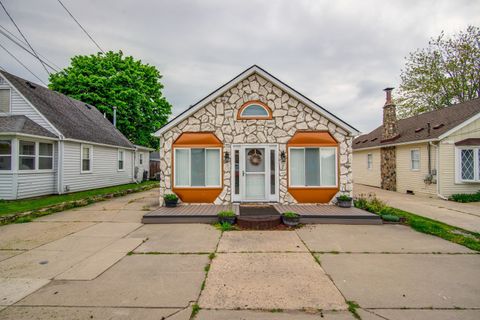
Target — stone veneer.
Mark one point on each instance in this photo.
(388, 168)
(289, 115)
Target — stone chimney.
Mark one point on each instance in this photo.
(388, 169)
(389, 117)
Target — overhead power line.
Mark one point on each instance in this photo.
(18, 43)
(45, 59)
(23, 65)
(81, 27)
(23, 36)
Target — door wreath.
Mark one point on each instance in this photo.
(255, 157)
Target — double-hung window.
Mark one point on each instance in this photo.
(197, 167)
(121, 160)
(87, 158)
(468, 166)
(415, 159)
(313, 167)
(5, 154)
(369, 161)
(26, 155)
(45, 156)
(141, 158)
(4, 100)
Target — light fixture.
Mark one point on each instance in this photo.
(283, 156)
(227, 157)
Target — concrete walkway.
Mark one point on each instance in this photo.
(99, 262)
(463, 215)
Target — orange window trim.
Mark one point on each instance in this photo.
(246, 104)
(312, 139)
(197, 140)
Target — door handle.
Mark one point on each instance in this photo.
(243, 173)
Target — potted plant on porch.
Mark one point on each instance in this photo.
(344, 201)
(171, 200)
(290, 219)
(227, 216)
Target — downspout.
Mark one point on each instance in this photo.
(437, 159)
(60, 160)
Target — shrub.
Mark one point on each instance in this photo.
(465, 197)
(390, 218)
(290, 214)
(344, 197)
(225, 226)
(227, 213)
(170, 197)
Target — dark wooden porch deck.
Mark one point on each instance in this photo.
(207, 213)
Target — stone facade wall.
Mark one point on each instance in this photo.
(289, 115)
(388, 168)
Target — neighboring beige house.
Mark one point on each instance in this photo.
(435, 153)
(255, 139)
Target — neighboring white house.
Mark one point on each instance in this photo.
(52, 144)
(436, 153)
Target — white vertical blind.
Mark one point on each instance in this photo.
(182, 167)
(328, 166)
(297, 167)
(212, 169)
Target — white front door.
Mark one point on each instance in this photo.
(255, 173)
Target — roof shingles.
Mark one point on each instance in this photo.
(416, 128)
(74, 119)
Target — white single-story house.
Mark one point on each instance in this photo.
(53, 144)
(255, 139)
(436, 153)
(142, 162)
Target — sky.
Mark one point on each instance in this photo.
(341, 54)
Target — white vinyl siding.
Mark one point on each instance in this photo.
(313, 167)
(361, 173)
(104, 168)
(19, 106)
(197, 167)
(409, 179)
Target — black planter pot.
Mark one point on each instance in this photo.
(291, 222)
(344, 203)
(171, 203)
(230, 220)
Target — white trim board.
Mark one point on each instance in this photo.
(245, 74)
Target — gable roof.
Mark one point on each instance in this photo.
(72, 118)
(245, 74)
(22, 124)
(415, 128)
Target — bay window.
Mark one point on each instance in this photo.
(45, 156)
(313, 167)
(5, 154)
(197, 167)
(468, 164)
(26, 155)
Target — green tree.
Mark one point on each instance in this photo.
(446, 72)
(111, 79)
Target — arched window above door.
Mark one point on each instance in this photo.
(254, 110)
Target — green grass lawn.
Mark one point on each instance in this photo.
(15, 206)
(422, 224)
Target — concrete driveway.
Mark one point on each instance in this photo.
(99, 262)
(463, 215)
